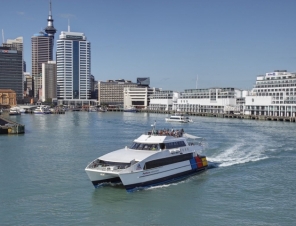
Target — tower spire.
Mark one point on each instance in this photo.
(50, 30)
(50, 8)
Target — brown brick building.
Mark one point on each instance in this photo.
(7, 97)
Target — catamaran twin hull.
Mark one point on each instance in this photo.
(136, 177)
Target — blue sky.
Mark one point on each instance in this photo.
(226, 43)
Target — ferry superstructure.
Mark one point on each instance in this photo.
(155, 158)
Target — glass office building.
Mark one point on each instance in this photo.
(11, 70)
(73, 66)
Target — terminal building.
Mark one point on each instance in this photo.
(163, 100)
(211, 100)
(7, 98)
(274, 94)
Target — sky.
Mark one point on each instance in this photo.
(179, 44)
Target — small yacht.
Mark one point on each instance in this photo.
(130, 109)
(178, 118)
(14, 111)
(42, 110)
(102, 109)
(155, 158)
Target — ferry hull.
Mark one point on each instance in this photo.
(163, 180)
(161, 175)
(100, 178)
(181, 121)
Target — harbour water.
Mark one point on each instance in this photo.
(43, 181)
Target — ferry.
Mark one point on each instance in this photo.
(154, 158)
(178, 118)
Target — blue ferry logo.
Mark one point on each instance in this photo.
(138, 167)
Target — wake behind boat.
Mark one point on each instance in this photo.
(158, 157)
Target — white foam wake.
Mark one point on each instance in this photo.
(238, 154)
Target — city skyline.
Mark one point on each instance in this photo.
(224, 43)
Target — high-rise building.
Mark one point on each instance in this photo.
(11, 70)
(73, 66)
(49, 81)
(42, 52)
(17, 43)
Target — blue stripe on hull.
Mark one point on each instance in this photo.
(164, 180)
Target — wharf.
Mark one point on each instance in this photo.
(9, 127)
(29, 111)
(237, 116)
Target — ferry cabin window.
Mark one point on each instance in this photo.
(175, 144)
(139, 146)
(167, 161)
(120, 165)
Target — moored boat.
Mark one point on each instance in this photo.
(155, 158)
(42, 110)
(14, 111)
(130, 109)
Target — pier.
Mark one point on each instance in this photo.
(225, 115)
(9, 127)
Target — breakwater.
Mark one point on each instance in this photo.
(9, 127)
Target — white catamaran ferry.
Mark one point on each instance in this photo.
(178, 118)
(155, 158)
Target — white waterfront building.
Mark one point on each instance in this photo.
(274, 94)
(137, 97)
(73, 67)
(163, 100)
(211, 100)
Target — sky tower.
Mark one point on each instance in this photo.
(50, 30)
